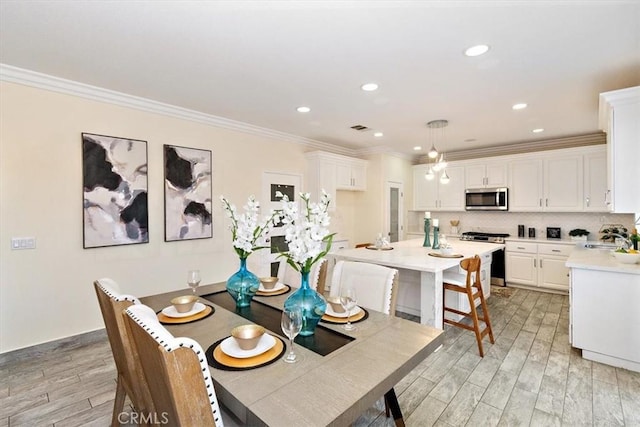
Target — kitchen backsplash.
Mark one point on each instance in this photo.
(507, 222)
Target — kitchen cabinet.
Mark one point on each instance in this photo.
(432, 195)
(351, 175)
(595, 181)
(489, 175)
(619, 118)
(539, 265)
(333, 172)
(553, 183)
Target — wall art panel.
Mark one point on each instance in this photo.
(115, 191)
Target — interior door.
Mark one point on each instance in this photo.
(394, 198)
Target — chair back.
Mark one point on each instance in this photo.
(112, 305)
(317, 275)
(472, 267)
(375, 285)
(176, 370)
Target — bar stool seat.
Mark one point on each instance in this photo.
(473, 289)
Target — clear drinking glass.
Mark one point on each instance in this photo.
(291, 324)
(348, 300)
(193, 279)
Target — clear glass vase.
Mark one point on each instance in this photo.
(311, 303)
(243, 285)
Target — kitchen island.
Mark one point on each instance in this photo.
(604, 308)
(420, 275)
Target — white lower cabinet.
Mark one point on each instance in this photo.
(540, 265)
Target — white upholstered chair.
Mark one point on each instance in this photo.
(130, 381)
(176, 370)
(317, 275)
(375, 285)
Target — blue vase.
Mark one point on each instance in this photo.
(427, 229)
(312, 304)
(243, 285)
(436, 242)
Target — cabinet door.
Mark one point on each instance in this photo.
(625, 145)
(475, 176)
(525, 185)
(496, 174)
(425, 193)
(521, 268)
(553, 273)
(595, 182)
(451, 195)
(344, 181)
(359, 177)
(563, 181)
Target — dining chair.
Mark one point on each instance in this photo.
(317, 275)
(130, 381)
(472, 287)
(376, 286)
(176, 370)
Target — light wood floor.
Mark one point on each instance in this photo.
(530, 376)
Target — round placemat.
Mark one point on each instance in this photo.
(166, 320)
(362, 315)
(219, 360)
(437, 255)
(284, 290)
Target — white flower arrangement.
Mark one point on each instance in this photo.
(249, 235)
(306, 231)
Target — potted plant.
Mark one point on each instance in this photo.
(578, 234)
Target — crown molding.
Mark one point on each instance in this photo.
(25, 77)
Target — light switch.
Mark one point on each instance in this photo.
(23, 243)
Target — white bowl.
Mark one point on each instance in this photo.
(627, 258)
(446, 251)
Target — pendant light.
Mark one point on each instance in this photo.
(444, 178)
(429, 175)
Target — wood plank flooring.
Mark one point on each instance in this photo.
(530, 376)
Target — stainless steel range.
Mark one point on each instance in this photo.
(497, 261)
(484, 237)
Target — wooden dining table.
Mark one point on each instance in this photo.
(330, 389)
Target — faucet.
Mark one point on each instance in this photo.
(626, 241)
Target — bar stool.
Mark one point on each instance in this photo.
(473, 289)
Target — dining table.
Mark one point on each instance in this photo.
(339, 374)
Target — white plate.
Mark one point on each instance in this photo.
(332, 313)
(279, 286)
(230, 347)
(172, 312)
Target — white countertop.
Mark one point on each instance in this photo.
(411, 255)
(599, 259)
(542, 240)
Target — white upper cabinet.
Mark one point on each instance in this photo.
(432, 195)
(563, 183)
(525, 185)
(595, 181)
(489, 175)
(351, 175)
(620, 119)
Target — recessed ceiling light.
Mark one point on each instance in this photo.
(477, 50)
(520, 106)
(417, 148)
(378, 134)
(303, 109)
(538, 130)
(369, 87)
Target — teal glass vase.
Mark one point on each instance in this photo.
(427, 229)
(243, 285)
(310, 303)
(436, 242)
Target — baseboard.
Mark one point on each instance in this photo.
(65, 343)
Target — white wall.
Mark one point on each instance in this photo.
(47, 293)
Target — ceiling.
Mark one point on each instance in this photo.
(257, 61)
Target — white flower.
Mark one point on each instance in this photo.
(306, 232)
(249, 235)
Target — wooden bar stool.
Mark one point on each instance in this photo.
(473, 289)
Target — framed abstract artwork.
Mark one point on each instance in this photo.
(187, 194)
(114, 180)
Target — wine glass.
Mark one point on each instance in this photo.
(193, 279)
(291, 324)
(348, 300)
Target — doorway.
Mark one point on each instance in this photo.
(393, 212)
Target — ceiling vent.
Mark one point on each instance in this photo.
(360, 128)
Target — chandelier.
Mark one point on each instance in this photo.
(436, 132)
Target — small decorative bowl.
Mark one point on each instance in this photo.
(334, 302)
(627, 258)
(268, 282)
(446, 251)
(184, 303)
(247, 336)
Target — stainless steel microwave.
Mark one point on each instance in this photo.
(487, 199)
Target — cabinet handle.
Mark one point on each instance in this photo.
(588, 201)
(555, 250)
(540, 203)
(546, 202)
(535, 264)
(540, 263)
(520, 247)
